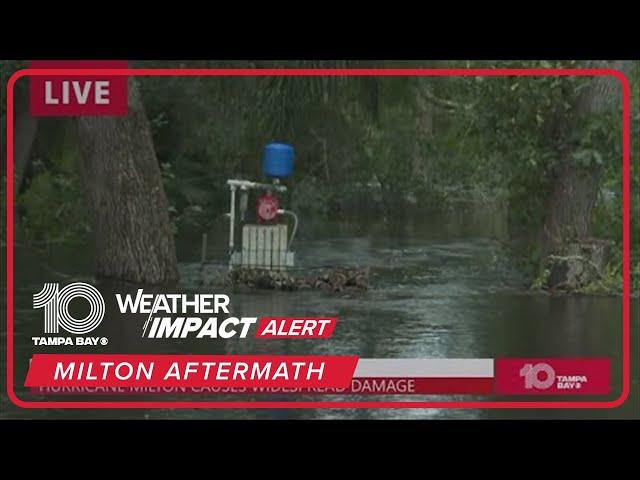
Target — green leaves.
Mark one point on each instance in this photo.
(52, 208)
(586, 158)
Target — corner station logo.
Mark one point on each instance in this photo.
(542, 376)
(55, 302)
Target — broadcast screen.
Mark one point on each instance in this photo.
(319, 239)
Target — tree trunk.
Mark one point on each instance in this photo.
(25, 129)
(575, 190)
(126, 199)
(571, 205)
(424, 130)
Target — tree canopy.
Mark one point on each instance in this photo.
(423, 141)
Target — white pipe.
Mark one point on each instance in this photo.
(232, 217)
(244, 184)
(282, 211)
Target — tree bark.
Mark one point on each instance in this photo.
(25, 129)
(425, 130)
(575, 190)
(126, 199)
(573, 197)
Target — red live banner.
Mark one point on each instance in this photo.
(73, 95)
(120, 370)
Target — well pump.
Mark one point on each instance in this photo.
(264, 239)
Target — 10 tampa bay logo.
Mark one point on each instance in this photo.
(55, 303)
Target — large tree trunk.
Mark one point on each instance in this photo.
(126, 199)
(570, 207)
(575, 190)
(25, 129)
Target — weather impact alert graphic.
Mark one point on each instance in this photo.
(179, 316)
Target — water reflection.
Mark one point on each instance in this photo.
(442, 286)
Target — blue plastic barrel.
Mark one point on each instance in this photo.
(277, 161)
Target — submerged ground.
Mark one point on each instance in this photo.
(443, 285)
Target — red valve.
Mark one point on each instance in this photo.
(267, 208)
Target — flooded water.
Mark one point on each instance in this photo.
(443, 285)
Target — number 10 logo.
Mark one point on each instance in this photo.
(56, 307)
(531, 374)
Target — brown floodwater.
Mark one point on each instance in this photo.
(443, 285)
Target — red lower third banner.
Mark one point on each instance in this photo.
(256, 374)
(118, 374)
(109, 370)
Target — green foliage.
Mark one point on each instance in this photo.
(610, 280)
(541, 281)
(514, 119)
(51, 207)
(375, 144)
(42, 224)
(310, 198)
(607, 220)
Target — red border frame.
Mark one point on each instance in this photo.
(331, 72)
